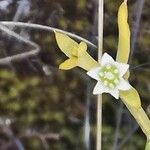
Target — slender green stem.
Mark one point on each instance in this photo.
(99, 99)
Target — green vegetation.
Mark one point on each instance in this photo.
(47, 112)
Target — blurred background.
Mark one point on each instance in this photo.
(43, 108)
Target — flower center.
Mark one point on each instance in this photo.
(109, 76)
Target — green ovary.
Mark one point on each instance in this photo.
(109, 76)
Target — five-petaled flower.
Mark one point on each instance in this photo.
(110, 76)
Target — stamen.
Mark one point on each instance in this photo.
(111, 85)
(108, 67)
(116, 71)
(105, 82)
(116, 81)
(109, 76)
(101, 74)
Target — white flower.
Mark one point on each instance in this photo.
(110, 76)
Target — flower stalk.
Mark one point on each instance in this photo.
(99, 98)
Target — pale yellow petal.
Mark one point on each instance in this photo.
(131, 98)
(68, 64)
(66, 44)
(124, 34)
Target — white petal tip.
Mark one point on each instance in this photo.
(88, 73)
(124, 85)
(106, 59)
(94, 93)
(117, 97)
(115, 93)
(122, 68)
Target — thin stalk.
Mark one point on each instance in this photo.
(87, 118)
(119, 119)
(99, 123)
(46, 28)
(17, 36)
(99, 99)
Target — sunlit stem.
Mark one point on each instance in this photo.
(99, 99)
